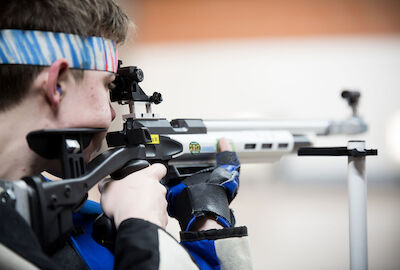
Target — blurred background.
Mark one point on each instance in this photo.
(286, 59)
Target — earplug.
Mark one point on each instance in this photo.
(59, 90)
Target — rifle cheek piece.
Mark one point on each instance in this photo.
(188, 206)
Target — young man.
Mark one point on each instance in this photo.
(57, 61)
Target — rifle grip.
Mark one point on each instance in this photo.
(130, 167)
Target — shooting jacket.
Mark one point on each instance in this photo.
(139, 245)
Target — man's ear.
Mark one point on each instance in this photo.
(55, 81)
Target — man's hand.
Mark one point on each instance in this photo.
(201, 201)
(208, 223)
(139, 195)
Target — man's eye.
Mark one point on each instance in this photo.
(111, 86)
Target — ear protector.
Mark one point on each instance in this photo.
(59, 90)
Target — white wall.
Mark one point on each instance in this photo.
(281, 78)
(303, 200)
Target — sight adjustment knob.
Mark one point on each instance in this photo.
(156, 98)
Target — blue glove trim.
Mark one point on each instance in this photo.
(232, 185)
(230, 168)
(190, 223)
(171, 194)
(223, 222)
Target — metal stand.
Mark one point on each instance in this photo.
(357, 184)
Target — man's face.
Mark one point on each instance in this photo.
(86, 104)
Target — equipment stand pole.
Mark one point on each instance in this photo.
(357, 183)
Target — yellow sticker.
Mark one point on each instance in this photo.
(194, 148)
(155, 139)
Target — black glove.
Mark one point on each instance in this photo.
(207, 193)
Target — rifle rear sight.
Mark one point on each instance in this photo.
(127, 89)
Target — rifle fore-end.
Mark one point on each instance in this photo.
(254, 146)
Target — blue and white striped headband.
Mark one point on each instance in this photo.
(41, 48)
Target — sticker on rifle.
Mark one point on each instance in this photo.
(194, 148)
(155, 139)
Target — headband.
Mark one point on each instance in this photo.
(41, 48)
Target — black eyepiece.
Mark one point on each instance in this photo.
(127, 86)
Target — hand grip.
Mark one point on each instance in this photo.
(130, 167)
(104, 230)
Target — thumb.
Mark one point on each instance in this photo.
(157, 170)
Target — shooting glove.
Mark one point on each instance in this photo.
(207, 193)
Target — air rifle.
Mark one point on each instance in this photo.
(255, 141)
(185, 146)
